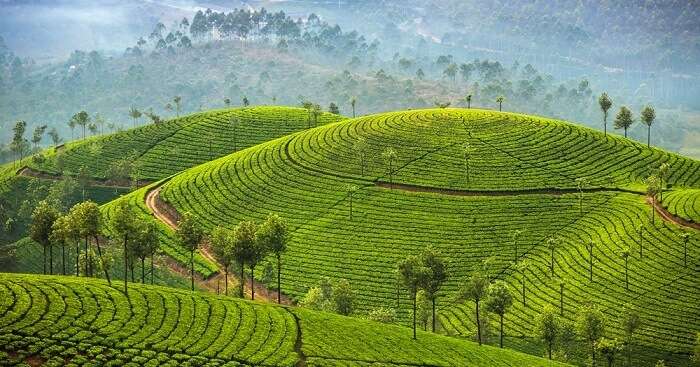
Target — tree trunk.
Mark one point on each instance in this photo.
(549, 349)
(226, 281)
(242, 279)
(143, 270)
(478, 323)
(590, 264)
(415, 296)
(192, 268)
(51, 259)
(63, 258)
(433, 312)
(126, 266)
(501, 336)
(648, 136)
(43, 254)
(151, 269)
(87, 262)
(279, 276)
(77, 259)
(99, 253)
(252, 282)
(605, 123)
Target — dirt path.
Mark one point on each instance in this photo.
(668, 216)
(168, 215)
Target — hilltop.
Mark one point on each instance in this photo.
(523, 175)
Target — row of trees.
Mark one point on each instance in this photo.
(624, 118)
(248, 244)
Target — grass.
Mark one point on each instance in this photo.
(62, 320)
(304, 177)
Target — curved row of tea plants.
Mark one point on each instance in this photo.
(305, 177)
(163, 149)
(64, 320)
(684, 203)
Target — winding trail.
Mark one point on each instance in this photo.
(168, 215)
(668, 216)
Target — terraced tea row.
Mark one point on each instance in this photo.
(69, 320)
(684, 203)
(308, 178)
(505, 151)
(160, 150)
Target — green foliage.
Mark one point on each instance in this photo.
(189, 232)
(548, 327)
(343, 297)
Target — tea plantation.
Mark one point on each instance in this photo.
(71, 321)
(464, 181)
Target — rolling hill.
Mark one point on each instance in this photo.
(61, 320)
(523, 175)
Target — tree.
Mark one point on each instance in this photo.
(38, 135)
(389, 155)
(422, 309)
(522, 267)
(500, 100)
(467, 152)
(72, 124)
(123, 224)
(43, 218)
(696, 351)
(256, 253)
(475, 289)
(62, 233)
(625, 254)
(343, 297)
(548, 327)
(82, 119)
(647, 117)
(590, 245)
(562, 284)
(243, 246)
(178, 104)
(353, 101)
(246, 102)
(135, 114)
(436, 277)
(590, 324)
(605, 103)
(190, 235)
(685, 237)
(222, 248)
(88, 220)
(552, 244)
(653, 184)
(469, 101)
(351, 189)
(413, 275)
(609, 348)
(420, 74)
(361, 148)
(450, 71)
(55, 138)
(19, 143)
(227, 102)
(664, 170)
(146, 244)
(624, 119)
(275, 236)
(630, 321)
(499, 301)
(515, 236)
(640, 233)
(333, 108)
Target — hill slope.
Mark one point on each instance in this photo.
(65, 319)
(522, 176)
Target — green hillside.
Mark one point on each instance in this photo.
(523, 175)
(59, 320)
(684, 203)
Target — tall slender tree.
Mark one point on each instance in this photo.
(685, 237)
(590, 246)
(82, 119)
(413, 275)
(590, 323)
(123, 224)
(515, 237)
(275, 236)
(178, 104)
(630, 321)
(625, 254)
(653, 184)
(548, 327)
(500, 101)
(135, 114)
(468, 98)
(43, 218)
(522, 267)
(353, 101)
(552, 244)
(647, 117)
(146, 244)
(624, 119)
(190, 235)
(475, 289)
(389, 155)
(243, 247)
(432, 259)
(222, 249)
(605, 103)
(89, 222)
(664, 170)
(499, 301)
